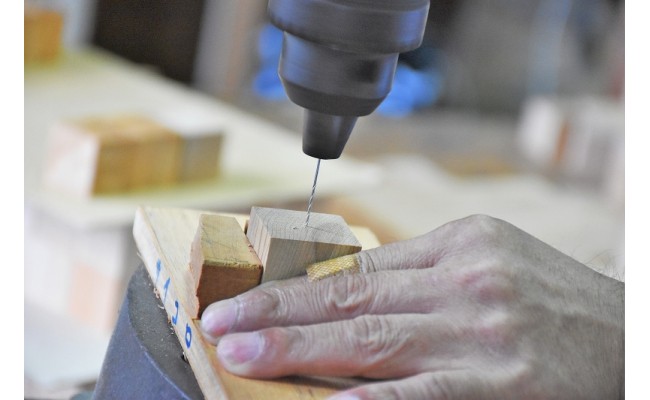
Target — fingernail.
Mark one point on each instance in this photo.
(219, 317)
(239, 348)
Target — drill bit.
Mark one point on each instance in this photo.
(313, 191)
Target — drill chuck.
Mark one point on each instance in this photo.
(339, 58)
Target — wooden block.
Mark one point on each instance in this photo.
(42, 40)
(135, 152)
(115, 154)
(164, 237)
(111, 154)
(222, 262)
(286, 246)
(201, 155)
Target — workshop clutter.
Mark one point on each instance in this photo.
(77, 274)
(112, 154)
(580, 141)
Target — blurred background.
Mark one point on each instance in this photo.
(509, 108)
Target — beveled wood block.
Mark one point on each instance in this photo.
(286, 246)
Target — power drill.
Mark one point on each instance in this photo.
(339, 58)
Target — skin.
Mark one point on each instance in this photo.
(476, 309)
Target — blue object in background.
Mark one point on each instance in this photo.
(266, 82)
(413, 89)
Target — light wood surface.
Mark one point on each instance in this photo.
(163, 237)
(223, 263)
(287, 246)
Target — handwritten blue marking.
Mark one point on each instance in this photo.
(188, 335)
(158, 267)
(167, 282)
(175, 317)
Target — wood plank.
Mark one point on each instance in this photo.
(163, 237)
(222, 261)
(287, 246)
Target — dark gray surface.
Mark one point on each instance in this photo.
(144, 359)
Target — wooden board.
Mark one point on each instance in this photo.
(163, 237)
(287, 246)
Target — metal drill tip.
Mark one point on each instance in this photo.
(313, 191)
(324, 136)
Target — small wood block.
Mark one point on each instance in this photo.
(43, 28)
(157, 149)
(201, 156)
(286, 246)
(222, 261)
(98, 155)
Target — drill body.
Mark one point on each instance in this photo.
(339, 58)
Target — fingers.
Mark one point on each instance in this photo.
(416, 253)
(296, 302)
(413, 288)
(369, 346)
(338, 298)
(442, 385)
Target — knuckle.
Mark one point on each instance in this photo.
(284, 343)
(489, 282)
(348, 296)
(438, 387)
(496, 331)
(375, 339)
(266, 305)
(484, 222)
(369, 261)
(524, 379)
(484, 229)
(279, 339)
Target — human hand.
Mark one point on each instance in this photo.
(476, 309)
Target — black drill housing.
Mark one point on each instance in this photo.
(339, 58)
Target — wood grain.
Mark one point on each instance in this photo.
(163, 237)
(286, 246)
(223, 263)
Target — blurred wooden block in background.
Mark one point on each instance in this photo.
(201, 155)
(286, 246)
(115, 154)
(42, 38)
(222, 261)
